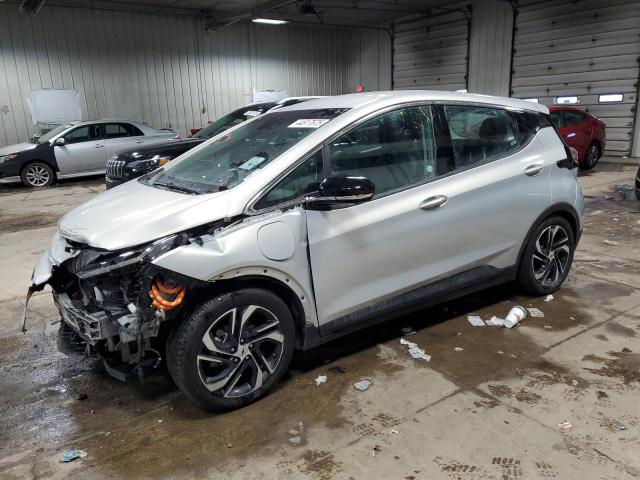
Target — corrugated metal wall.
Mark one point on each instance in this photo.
(490, 47)
(371, 59)
(431, 53)
(164, 70)
(582, 48)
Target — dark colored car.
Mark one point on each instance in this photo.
(132, 163)
(638, 184)
(581, 131)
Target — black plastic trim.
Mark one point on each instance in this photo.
(422, 297)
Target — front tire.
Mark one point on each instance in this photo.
(37, 175)
(547, 258)
(232, 349)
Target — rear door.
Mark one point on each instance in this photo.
(497, 186)
(576, 130)
(120, 136)
(83, 151)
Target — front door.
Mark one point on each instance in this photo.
(83, 151)
(451, 195)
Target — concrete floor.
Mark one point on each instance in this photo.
(489, 411)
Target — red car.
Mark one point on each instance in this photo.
(581, 131)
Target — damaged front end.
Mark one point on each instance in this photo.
(113, 303)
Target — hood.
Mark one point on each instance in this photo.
(174, 149)
(18, 147)
(133, 214)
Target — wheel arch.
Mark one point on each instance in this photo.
(297, 300)
(31, 161)
(564, 210)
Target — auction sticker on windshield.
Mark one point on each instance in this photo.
(251, 113)
(308, 123)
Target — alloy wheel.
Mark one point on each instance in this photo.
(592, 156)
(551, 255)
(37, 176)
(240, 350)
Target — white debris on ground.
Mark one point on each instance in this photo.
(495, 322)
(297, 440)
(548, 298)
(415, 351)
(320, 379)
(536, 312)
(565, 425)
(611, 243)
(475, 320)
(458, 349)
(363, 385)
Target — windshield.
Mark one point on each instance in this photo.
(234, 118)
(229, 160)
(52, 133)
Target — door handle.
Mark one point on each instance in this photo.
(433, 202)
(533, 170)
(99, 146)
(139, 141)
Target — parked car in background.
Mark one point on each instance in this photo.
(638, 184)
(75, 149)
(307, 223)
(584, 132)
(135, 162)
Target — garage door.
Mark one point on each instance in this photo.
(587, 49)
(431, 53)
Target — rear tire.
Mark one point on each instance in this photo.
(233, 349)
(37, 175)
(547, 258)
(591, 156)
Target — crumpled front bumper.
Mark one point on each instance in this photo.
(57, 253)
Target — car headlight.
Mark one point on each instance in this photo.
(6, 158)
(150, 163)
(137, 257)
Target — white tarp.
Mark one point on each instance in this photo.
(268, 95)
(55, 106)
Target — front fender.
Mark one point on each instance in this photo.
(272, 245)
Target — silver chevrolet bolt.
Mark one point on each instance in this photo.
(307, 223)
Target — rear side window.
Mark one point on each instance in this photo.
(394, 150)
(119, 130)
(479, 134)
(572, 117)
(556, 119)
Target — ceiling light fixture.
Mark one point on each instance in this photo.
(269, 21)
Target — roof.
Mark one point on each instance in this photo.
(382, 99)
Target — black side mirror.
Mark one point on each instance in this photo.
(341, 190)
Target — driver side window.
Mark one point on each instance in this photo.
(85, 133)
(303, 180)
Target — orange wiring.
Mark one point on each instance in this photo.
(165, 298)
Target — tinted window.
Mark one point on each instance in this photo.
(118, 130)
(572, 117)
(481, 133)
(393, 150)
(85, 133)
(303, 180)
(556, 119)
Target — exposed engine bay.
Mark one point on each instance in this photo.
(114, 303)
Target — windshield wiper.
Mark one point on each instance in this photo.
(173, 186)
